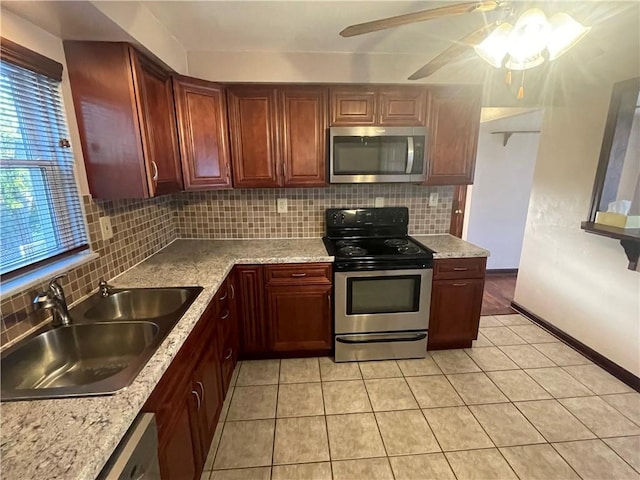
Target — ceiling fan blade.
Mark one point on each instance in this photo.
(449, 10)
(454, 51)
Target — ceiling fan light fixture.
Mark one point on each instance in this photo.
(565, 33)
(494, 48)
(529, 36)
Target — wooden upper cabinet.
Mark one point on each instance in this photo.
(254, 136)
(402, 106)
(352, 106)
(303, 135)
(125, 111)
(453, 122)
(201, 110)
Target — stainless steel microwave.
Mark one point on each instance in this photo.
(377, 154)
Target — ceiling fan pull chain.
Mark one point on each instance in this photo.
(521, 89)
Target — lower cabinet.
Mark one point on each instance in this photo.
(187, 402)
(456, 302)
(284, 309)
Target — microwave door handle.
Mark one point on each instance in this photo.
(410, 152)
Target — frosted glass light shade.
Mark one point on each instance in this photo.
(529, 36)
(524, 64)
(565, 33)
(493, 48)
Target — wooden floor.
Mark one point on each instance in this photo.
(498, 293)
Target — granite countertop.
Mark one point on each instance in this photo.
(73, 438)
(448, 246)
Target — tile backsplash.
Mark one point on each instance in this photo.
(142, 227)
(251, 213)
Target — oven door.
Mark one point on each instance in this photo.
(382, 301)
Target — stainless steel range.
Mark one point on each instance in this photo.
(382, 284)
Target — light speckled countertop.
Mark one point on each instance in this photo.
(448, 246)
(73, 438)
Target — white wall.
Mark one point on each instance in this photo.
(497, 208)
(30, 36)
(578, 281)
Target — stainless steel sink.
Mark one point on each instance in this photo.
(138, 304)
(109, 342)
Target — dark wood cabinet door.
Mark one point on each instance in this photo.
(201, 110)
(352, 106)
(177, 454)
(253, 130)
(455, 313)
(158, 125)
(402, 106)
(453, 122)
(300, 318)
(207, 384)
(303, 134)
(254, 335)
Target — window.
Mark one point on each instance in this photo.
(40, 213)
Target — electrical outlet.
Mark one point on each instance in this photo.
(105, 228)
(281, 205)
(379, 202)
(433, 199)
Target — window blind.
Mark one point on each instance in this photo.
(40, 212)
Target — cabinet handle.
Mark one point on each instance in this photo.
(233, 291)
(228, 355)
(459, 284)
(460, 269)
(329, 301)
(458, 211)
(298, 274)
(225, 296)
(155, 172)
(197, 398)
(201, 389)
(225, 316)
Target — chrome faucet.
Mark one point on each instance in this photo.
(53, 299)
(103, 288)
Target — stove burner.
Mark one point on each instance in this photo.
(396, 242)
(346, 243)
(409, 250)
(352, 251)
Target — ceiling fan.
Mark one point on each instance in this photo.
(524, 45)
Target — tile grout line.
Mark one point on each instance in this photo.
(275, 419)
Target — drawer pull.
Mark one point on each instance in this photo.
(201, 389)
(459, 284)
(298, 274)
(226, 294)
(225, 316)
(197, 398)
(233, 291)
(228, 355)
(460, 269)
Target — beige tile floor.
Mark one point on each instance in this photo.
(519, 404)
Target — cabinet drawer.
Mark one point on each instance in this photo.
(451, 268)
(298, 274)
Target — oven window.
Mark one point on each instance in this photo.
(369, 155)
(383, 294)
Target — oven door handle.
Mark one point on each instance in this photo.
(385, 339)
(410, 154)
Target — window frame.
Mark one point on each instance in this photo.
(39, 270)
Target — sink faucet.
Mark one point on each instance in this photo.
(104, 287)
(53, 299)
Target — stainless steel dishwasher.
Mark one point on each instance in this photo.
(136, 457)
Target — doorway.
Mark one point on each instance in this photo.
(496, 204)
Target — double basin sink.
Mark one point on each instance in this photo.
(109, 341)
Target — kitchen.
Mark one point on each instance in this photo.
(142, 227)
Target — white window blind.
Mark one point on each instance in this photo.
(40, 212)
